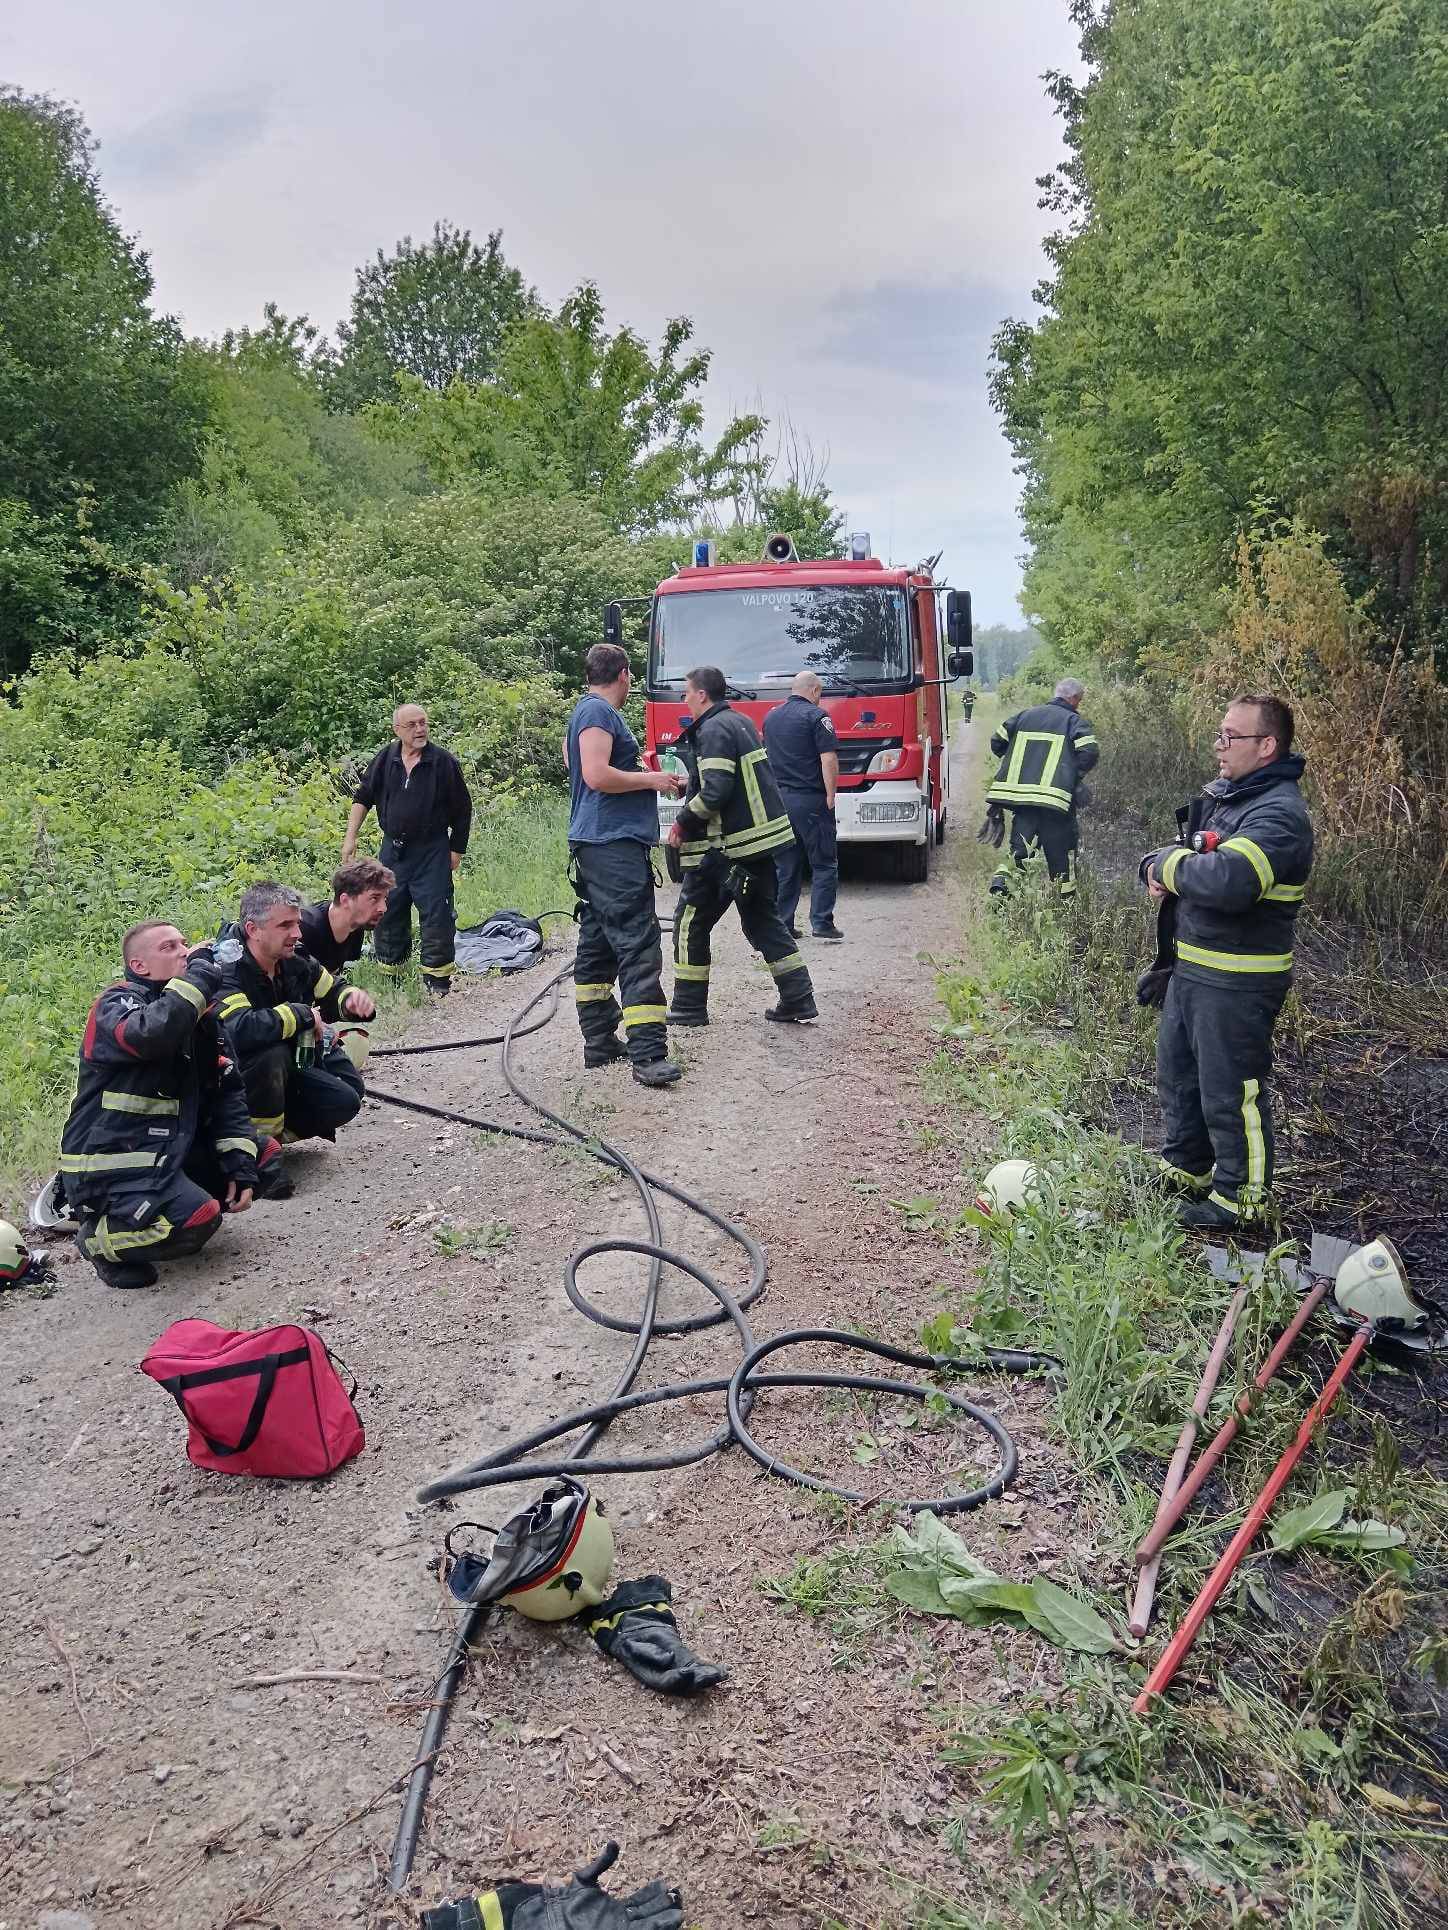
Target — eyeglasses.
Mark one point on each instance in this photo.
(1230, 737)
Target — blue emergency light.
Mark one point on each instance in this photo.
(703, 554)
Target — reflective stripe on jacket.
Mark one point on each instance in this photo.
(153, 1074)
(733, 801)
(1237, 905)
(1044, 753)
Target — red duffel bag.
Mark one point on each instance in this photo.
(267, 1402)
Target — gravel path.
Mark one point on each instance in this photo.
(144, 1783)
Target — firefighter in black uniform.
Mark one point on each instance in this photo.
(613, 826)
(276, 1004)
(158, 1143)
(426, 813)
(731, 824)
(1044, 753)
(1235, 887)
(332, 933)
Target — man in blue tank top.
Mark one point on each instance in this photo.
(613, 826)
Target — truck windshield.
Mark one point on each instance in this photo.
(763, 637)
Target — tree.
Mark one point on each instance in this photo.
(437, 311)
(574, 410)
(97, 395)
(1247, 316)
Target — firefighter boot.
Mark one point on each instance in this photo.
(657, 1072)
(126, 1273)
(604, 1052)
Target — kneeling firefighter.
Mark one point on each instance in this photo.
(1044, 753)
(159, 1142)
(731, 824)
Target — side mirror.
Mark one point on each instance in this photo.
(960, 663)
(957, 626)
(613, 624)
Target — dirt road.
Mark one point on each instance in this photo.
(146, 1783)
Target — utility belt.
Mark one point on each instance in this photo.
(417, 842)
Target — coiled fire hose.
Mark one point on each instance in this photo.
(519, 1460)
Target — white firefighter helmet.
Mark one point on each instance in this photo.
(51, 1210)
(548, 1561)
(14, 1256)
(355, 1039)
(1372, 1285)
(1007, 1187)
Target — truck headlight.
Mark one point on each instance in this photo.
(884, 761)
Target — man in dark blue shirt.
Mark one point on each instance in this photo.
(613, 826)
(804, 755)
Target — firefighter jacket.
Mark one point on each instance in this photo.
(1237, 905)
(260, 1011)
(154, 1075)
(733, 803)
(1044, 753)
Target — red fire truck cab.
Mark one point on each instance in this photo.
(872, 635)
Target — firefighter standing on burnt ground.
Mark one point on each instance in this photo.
(1232, 892)
(1044, 753)
(159, 1143)
(426, 813)
(276, 1004)
(613, 826)
(731, 824)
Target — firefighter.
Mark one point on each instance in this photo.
(613, 826)
(158, 1144)
(804, 755)
(425, 811)
(1044, 753)
(276, 1004)
(731, 824)
(333, 933)
(1236, 885)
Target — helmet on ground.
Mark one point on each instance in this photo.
(51, 1210)
(1372, 1284)
(355, 1040)
(14, 1256)
(548, 1561)
(1007, 1187)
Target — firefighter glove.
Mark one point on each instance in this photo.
(993, 827)
(636, 1626)
(204, 973)
(1151, 987)
(580, 1906)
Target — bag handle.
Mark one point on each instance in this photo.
(266, 1365)
(337, 1361)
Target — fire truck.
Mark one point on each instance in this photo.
(884, 642)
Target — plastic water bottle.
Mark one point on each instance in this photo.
(226, 951)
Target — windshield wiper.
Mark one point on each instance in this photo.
(842, 687)
(731, 691)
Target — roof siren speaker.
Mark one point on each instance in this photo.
(780, 549)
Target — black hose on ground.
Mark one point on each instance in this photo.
(516, 1461)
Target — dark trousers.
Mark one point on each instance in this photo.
(619, 944)
(425, 879)
(1213, 1064)
(708, 892)
(305, 1102)
(813, 824)
(168, 1222)
(1054, 833)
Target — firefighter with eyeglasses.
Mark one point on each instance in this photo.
(1228, 894)
(731, 824)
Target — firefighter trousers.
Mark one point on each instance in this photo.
(708, 892)
(619, 944)
(170, 1222)
(1054, 833)
(304, 1102)
(1213, 1064)
(425, 879)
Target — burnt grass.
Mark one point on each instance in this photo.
(1360, 1110)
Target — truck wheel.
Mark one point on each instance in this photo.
(910, 863)
(673, 866)
(940, 829)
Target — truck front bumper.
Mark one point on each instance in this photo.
(883, 814)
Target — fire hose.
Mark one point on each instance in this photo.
(518, 1460)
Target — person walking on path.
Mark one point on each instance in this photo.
(804, 755)
(613, 826)
(424, 808)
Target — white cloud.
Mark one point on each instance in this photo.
(835, 192)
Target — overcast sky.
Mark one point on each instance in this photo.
(841, 195)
